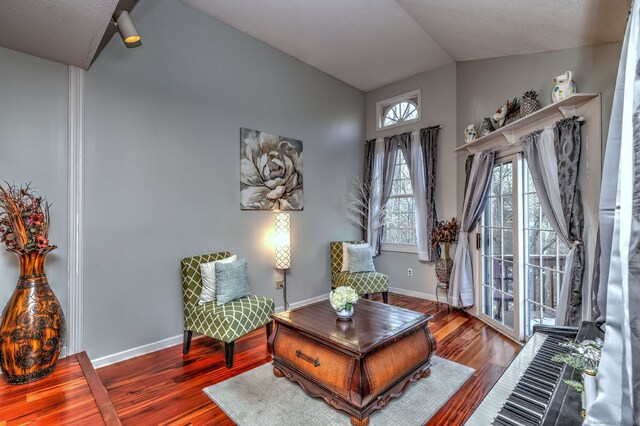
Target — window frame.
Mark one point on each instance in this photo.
(401, 247)
(405, 97)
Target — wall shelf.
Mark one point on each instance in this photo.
(510, 134)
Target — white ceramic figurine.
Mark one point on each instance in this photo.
(470, 133)
(563, 87)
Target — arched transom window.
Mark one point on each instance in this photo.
(398, 111)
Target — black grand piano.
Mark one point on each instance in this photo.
(532, 391)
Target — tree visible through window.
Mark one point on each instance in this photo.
(400, 218)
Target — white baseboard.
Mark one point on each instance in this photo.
(138, 351)
(172, 341)
(303, 302)
(417, 294)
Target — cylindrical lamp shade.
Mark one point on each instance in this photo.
(126, 28)
(282, 237)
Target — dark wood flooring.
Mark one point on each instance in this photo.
(165, 387)
(72, 394)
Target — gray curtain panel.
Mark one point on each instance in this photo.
(553, 156)
(467, 171)
(419, 155)
(388, 153)
(367, 180)
(618, 378)
(429, 145)
(461, 284)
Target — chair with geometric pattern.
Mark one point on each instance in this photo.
(364, 283)
(225, 323)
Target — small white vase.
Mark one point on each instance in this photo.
(345, 314)
(590, 388)
(470, 133)
(563, 87)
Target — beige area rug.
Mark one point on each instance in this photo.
(258, 398)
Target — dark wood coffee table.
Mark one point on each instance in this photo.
(357, 365)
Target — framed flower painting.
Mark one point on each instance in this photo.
(270, 171)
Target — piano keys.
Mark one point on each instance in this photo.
(531, 391)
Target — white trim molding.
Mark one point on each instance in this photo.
(175, 340)
(418, 294)
(75, 200)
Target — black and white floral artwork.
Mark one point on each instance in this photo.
(270, 171)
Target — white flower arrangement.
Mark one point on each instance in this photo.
(343, 298)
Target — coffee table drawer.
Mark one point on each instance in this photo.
(325, 365)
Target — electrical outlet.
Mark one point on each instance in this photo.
(279, 284)
(410, 272)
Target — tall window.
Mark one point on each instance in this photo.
(400, 218)
(522, 259)
(399, 110)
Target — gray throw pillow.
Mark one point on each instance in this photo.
(231, 281)
(360, 259)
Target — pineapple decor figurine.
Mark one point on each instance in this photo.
(530, 103)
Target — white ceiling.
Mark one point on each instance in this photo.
(66, 31)
(370, 43)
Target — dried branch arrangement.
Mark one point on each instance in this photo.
(24, 218)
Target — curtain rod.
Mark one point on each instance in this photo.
(414, 131)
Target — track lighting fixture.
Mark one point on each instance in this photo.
(126, 29)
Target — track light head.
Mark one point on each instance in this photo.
(126, 29)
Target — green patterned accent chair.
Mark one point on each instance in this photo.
(364, 283)
(226, 323)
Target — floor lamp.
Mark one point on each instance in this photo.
(282, 231)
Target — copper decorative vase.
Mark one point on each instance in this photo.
(444, 265)
(33, 326)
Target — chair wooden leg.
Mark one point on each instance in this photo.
(385, 297)
(228, 354)
(269, 327)
(186, 342)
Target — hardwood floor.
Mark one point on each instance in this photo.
(165, 387)
(72, 394)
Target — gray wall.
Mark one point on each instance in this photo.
(458, 94)
(162, 160)
(438, 107)
(484, 85)
(33, 144)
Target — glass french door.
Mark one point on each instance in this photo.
(498, 232)
(521, 258)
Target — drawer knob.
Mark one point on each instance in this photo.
(315, 362)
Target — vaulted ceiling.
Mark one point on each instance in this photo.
(71, 32)
(370, 43)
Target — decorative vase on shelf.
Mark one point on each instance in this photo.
(563, 87)
(530, 103)
(470, 133)
(345, 313)
(486, 127)
(444, 265)
(32, 329)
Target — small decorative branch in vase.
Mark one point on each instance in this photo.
(359, 204)
(584, 357)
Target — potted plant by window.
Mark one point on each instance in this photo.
(443, 235)
(584, 357)
(32, 328)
